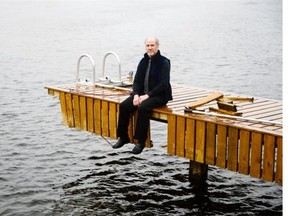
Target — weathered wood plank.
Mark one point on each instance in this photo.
(259, 108)
(134, 117)
(51, 92)
(97, 117)
(83, 113)
(204, 100)
(221, 146)
(256, 155)
(63, 108)
(279, 161)
(131, 128)
(76, 106)
(112, 120)
(171, 142)
(190, 139)
(269, 158)
(200, 141)
(90, 115)
(69, 108)
(148, 143)
(232, 163)
(210, 143)
(244, 152)
(180, 134)
(105, 118)
(198, 173)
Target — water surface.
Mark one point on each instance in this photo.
(49, 169)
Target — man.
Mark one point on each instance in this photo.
(151, 89)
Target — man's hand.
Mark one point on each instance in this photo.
(142, 98)
(136, 100)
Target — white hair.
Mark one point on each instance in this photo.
(154, 38)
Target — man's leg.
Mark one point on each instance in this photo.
(143, 119)
(126, 108)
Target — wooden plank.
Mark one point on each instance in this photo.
(267, 112)
(268, 116)
(69, 108)
(190, 139)
(131, 128)
(239, 99)
(148, 143)
(221, 146)
(269, 158)
(113, 120)
(97, 117)
(83, 113)
(258, 107)
(279, 160)
(210, 144)
(256, 154)
(76, 109)
(221, 111)
(232, 162)
(187, 95)
(62, 98)
(204, 100)
(51, 92)
(198, 173)
(244, 152)
(227, 106)
(200, 141)
(171, 137)
(194, 93)
(105, 118)
(90, 115)
(133, 125)
(180, 134)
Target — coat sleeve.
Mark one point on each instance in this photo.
(137, 86)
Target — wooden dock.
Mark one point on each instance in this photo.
(250, 144)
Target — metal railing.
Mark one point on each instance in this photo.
(106, 79)
(78, 69)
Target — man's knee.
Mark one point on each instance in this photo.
(144, 107)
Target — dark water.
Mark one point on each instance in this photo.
(49, 169)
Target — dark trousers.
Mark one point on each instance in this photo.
(144, 111)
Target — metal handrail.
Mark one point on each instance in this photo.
(78, 67)
(103, 78)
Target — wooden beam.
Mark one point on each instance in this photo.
(198, 172)
(204, 100)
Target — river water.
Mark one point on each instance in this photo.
(50, 169)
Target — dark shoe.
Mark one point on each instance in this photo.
(138, 148)
(120, 143)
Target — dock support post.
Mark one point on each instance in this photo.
(198, 172)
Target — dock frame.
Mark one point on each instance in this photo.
(249, 148)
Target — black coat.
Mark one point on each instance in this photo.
(159, 77)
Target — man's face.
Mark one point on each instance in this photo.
(151, 47)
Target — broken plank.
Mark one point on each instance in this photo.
(204, 100)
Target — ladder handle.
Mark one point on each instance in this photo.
(78, 67)
(119, 64)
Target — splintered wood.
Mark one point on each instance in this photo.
(225, 103)
(211, 97)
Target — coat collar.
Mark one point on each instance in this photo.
(153, 57)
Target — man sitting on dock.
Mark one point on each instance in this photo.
(151, 89)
